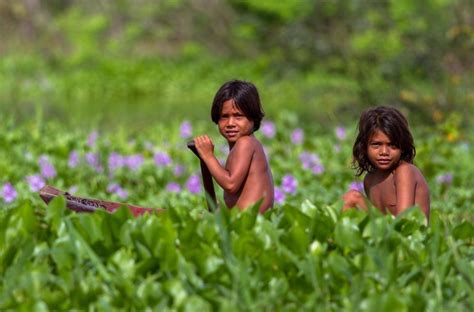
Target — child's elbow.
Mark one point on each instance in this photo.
(232, 188)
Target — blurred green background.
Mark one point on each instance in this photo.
(129, 63)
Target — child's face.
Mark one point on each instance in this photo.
(233, 124)
(382, 153)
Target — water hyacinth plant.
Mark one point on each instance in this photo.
(163, 159)
(46, 167)
(303, 254)
(36, 182)
(297, 136)
(268, 129)
(9, 193)
(186, 130)
(193, 184)
(289, 184)
(340, 133)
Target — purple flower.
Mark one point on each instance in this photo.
(47, 169)
(357, 186)
(186, 130)
(341, 133)
(92, 138)
(297, 136)
(337, 148)
(446, 178)
(93, 160)
(289, 184)
(73, 159)
(178, 170)
(279, 195)
(36, 182)
(115, 161)
(317, 169)
(162, 159)
(9, 193)
(193, 184)
(173, 187)
(311, 161)
(122, 193)
(134, 162)
(114, 188)
(268, 129)
(308, 160)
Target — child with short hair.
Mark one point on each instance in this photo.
(246, 177)
(384, 149)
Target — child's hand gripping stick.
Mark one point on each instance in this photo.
(206, 179)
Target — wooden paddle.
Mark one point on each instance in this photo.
(82, 204)
(206, 179)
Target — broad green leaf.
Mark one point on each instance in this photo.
(195, 303)
(339, 265)
(347, 234)
(55, 211)
(465, 230)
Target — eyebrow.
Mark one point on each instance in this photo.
(239, 113)
(372, 141)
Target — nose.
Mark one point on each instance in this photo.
(384, 150)
(231, 122)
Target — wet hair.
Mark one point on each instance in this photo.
(393, 124)
(245, 97)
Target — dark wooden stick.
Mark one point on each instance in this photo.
(206, 179)
(82, 204)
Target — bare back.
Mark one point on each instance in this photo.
(398, 189)
(258, 183)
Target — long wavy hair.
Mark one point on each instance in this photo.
(393, 124)
(246, 98)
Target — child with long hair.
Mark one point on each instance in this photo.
(384, 149)
(246, 177)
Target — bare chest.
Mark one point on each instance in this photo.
(383, 194)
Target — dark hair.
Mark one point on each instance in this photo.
(393, 124)
(246, 98)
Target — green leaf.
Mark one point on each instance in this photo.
(28, 218)
(55, 211)
(195, 303)
(347, 234)
(465, 230)
(339, 265)
(245, 220)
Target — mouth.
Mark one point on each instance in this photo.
(384, 161)
(231, 134)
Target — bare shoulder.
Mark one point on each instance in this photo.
(247, 142)
(407, 171)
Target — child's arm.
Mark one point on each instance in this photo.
(354, 199)
(232, 177)
(405, 181)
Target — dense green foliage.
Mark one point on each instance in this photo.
(93, 96)
(136, 63)
(302, 254)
